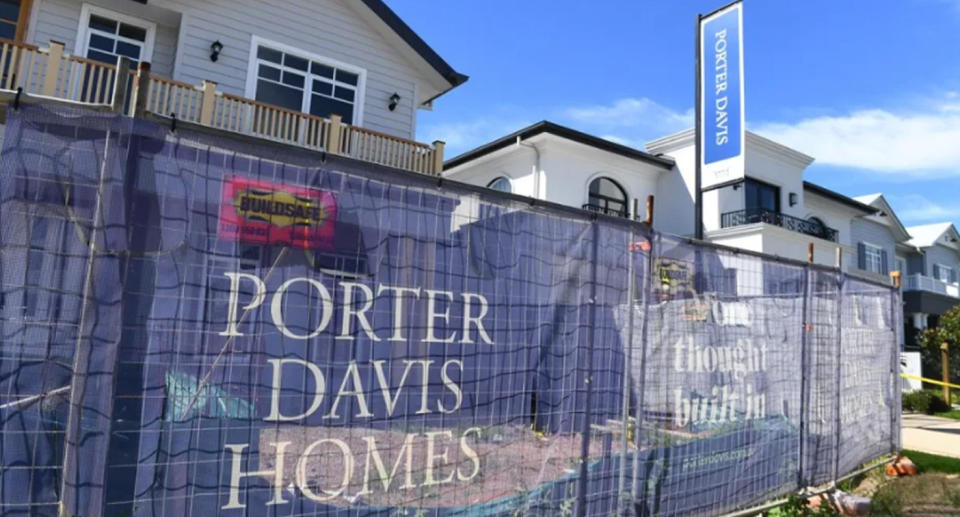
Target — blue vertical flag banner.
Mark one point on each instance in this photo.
(721, 89)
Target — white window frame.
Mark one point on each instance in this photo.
(83, 30)
(251, 86)
(948, 269)
(498, 178)
(618, 181)
(867, 248)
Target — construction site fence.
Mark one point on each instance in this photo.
(197, 324)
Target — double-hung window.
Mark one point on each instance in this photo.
(873, 260)
(296, 80)
(13, 19)
(104, 36)
(943, 273)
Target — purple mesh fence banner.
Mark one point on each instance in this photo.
(195, 325)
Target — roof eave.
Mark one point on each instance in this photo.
(411, 38)
(838, 197)
(545, 126)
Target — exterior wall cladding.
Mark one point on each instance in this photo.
(938, 254)
(871, 232)
(185, 30)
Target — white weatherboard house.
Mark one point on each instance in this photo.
(930, 287)
(277, 70)
(770, 210)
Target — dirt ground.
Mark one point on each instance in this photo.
(453, 468)
(926, 494)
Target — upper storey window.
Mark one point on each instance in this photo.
(311, 84)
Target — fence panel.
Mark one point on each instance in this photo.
(195, 326)
(721, 405)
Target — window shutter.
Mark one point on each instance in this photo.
(936, 271)
(884, 267)
(861, 256)
(953, 276)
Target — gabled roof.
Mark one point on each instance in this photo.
(885, 210)
(545, 126)
(927, 235)
(838, 197)
(416, 43)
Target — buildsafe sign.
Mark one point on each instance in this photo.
(721, 90)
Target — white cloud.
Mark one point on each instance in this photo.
(915, 208)
(629, 121)
(925, 142)
(632, 116)
(460, 137)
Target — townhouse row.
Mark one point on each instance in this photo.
(771, 209)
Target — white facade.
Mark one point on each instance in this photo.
(550, 165)
(558, 169)
(772, 164)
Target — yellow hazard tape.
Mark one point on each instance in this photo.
(931, 381)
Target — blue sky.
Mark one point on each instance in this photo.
(870, 89)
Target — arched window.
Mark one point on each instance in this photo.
(501, 183)
(607, 196)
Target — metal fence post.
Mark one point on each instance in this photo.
(654, 240)
(805, 370)
(896, 313)
(121, 85)
(588, 377)
(625, 429)
(839, 371)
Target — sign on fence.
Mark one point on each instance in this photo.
(194, 326)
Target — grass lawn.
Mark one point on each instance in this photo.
(936, 491)
(932, 463)
(953, 413)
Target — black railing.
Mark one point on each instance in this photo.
(604, 210)
(751, 216)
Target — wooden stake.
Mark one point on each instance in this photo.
(142, 90)
(121, 85)
(438, 159)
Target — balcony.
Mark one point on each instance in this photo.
(753, 216)
(918, 282)
(53, 73)
(604, 210)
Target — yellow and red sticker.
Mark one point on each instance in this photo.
(266, 213)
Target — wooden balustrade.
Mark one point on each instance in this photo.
(52, 72)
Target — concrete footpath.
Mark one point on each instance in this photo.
(931, 434)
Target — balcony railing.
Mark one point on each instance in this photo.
(53, 73)
(752, 216)
(918, 282)
(604, 210)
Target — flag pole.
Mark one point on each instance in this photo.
(697, 192)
